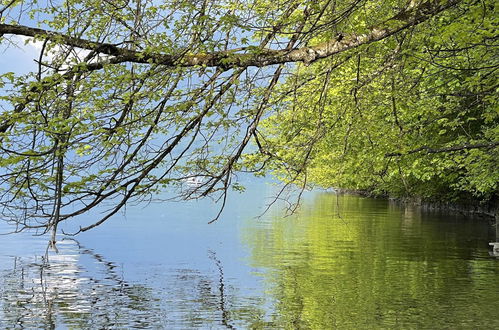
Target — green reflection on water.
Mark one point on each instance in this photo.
(351, 262)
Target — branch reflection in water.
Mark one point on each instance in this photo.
(342, 262)
(60, 290)
(221, 288)
(79, 288)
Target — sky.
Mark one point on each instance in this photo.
(18, 58)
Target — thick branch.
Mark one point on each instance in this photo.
(232, 58)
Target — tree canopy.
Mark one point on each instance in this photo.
(412, 115)
(132, 96)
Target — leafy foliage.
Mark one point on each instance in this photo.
(131, 97)
(412, 115)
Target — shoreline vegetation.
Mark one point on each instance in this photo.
(488, 209)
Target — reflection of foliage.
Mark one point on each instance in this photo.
(375, 267)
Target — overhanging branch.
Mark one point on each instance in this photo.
(252, 56)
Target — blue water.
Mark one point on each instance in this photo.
(340, 262)
(164, 257)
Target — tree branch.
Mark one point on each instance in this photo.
(254, 56)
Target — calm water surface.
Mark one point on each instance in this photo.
(342, 262)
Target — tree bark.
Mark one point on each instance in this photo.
(253, 56)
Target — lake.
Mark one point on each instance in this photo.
(342, 261)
